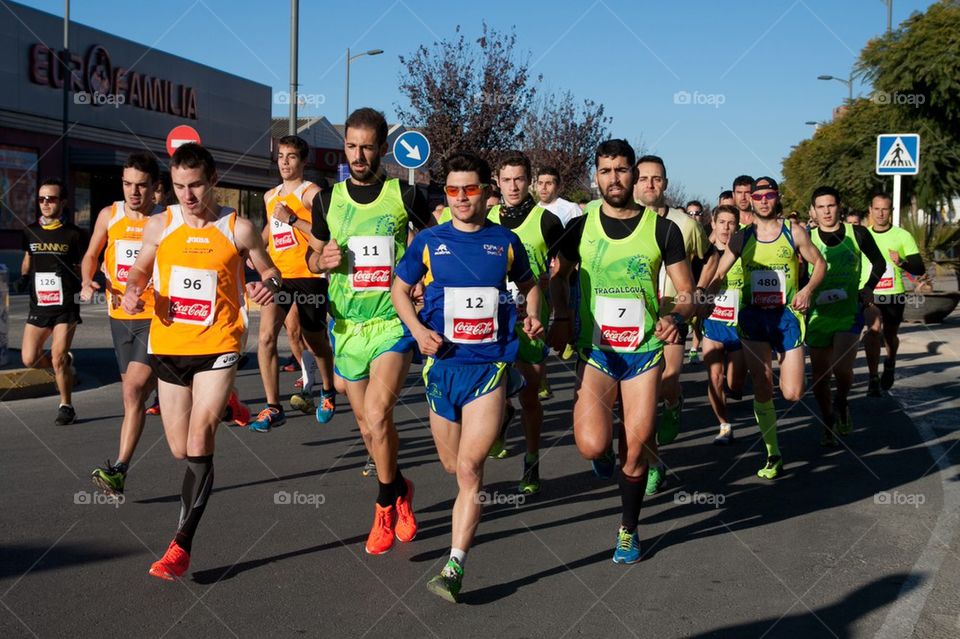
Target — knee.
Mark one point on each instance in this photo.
(376, 420)
(592, 446)
(792, 393)
(132, 393)
(267, 342)
(450, 465)
(469, 475)
(60, 360)
(30, 359)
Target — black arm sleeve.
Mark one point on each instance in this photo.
(552, 229)
(321, 204)
(913, 264)
(670, 241)
(570, 242)
(418, 210)
(735, 245)
(869, 248)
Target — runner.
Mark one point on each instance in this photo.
(722, 350)
(195, 252)
(771, 315)
(695, 210)
(119, 230)
(548, 190)
(901, 254)
(742, 188)
(51, 269)
(619, 248)
(466, 329)
(836, 315)
(161, 198)
(360, 231)
(540, 231)
(287, 240)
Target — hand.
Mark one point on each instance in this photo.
(866, 297)
(259, 293)
(894, 256)
(281, 212)
(87, 290)
(428, 340)
(331, 256)
(532, 327)
(132, 304)
(666, 331)
(416, 294)
(801, 301)
(560, 335)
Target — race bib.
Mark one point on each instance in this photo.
(371, 262)
(125, 254)
(282, 234)
(49, 288)
(193, 295)
(885, 285)
(769, 288)
(470, 314)
(618, 323)
(831, 296)
(726, 306)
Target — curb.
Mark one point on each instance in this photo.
(23, 383)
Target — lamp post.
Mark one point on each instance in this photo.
(848, 82)
(346, 102)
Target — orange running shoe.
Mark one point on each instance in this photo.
(173, 563)
(154, 408)
(406, 522)
(240, 414)
(381, 536)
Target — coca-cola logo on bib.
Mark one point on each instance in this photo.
(768, 299)
(723, 313)
(885, 282)
(371, 277)
(283, 240)
(123, 271)
(619, 336)
(48, 297)
(473, 329)
(183, 308)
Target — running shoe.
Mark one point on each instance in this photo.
(173, 563)
(605, 465)
(268, 418)
(656, 479)
(670, 423)
(65, 415)
(499, 450)
(844, 423)
(886, 379)
(772, 469)
(725, 437)
(530, 482)
(291, 366)
(154, 408)
(693, 357)
(302, 402)
(298, 385)
(448, 583)
(237, 411)
(545, 392)
(873, 387)
(327, 407)
(406, 526)
(568, 352)
(627, 550)
(108, 479)
(370, 468)
(381, 536)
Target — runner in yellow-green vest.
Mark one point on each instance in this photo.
(836, 314)
(541, 232)
(619, 331)
(359, 233)
(883, 318)
(771, 314)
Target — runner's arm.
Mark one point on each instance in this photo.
(251, 246)
(142, 270)
(869, 247)
(810, 253)
(91, 259)
(410, 271)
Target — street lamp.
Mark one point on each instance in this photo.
(848, 82)
(346, 103)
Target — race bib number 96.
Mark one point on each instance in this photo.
(193, 295)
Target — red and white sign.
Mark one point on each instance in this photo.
(193, 295)
(49, 289)
(371, 262)
(470, 314)
(618, 323)
(181, 135)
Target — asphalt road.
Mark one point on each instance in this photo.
(855, 542)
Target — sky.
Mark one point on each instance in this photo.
(718, 88)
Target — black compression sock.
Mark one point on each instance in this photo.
(631, 497)
(197, 484)
(387, 495)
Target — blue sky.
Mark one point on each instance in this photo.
(749, 67)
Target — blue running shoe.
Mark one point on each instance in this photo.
(604, 467)
(327, 407)
(628, 547)
(268, 418)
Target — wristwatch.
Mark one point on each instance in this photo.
(292, 220)
(677, 319)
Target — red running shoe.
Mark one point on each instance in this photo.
(239, 412)
(381, 536)
(155, 408)
(406, 523)
(173, 563)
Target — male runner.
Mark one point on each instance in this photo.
(619, 248)
(540, 231)
(771, 314)
(195, 252)
(900, 252)
(466, 329)
(360, 231)
(287, 240)
(548, 190)
(695, 210)
(51, 264)
(836, 316)
(119, 230)
(742, 189)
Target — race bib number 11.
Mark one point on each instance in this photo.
(371, 262)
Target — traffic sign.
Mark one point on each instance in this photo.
(181, 135)
(343, 172)
(411, 149)
(898, 154)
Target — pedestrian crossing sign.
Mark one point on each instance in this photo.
(898, 154)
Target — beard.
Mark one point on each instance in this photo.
(372, 169)
(619, 200)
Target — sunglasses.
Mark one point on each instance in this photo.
(47, 199)
(772, 195)
(471, 190)
(695, 213)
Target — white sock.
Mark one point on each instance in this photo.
(308, 370)
(459, 555)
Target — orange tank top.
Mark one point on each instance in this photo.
(124, 239)
(286, 245)
(198, 276)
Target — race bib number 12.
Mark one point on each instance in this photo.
(470, 314)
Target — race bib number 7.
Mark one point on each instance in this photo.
(49, 288)
(768, 288)
(470, 314)
(193, 295)
(618, 323)
(371, 262)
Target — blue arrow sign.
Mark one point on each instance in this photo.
(898, 154)
(411, 149)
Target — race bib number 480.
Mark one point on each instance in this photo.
(768, 288)
(470, 314)
(371, 262)
(49, 288)
(618, 323)
(193, 295)
(125, 254)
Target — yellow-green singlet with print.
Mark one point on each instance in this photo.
(770, 269)
(729, 297)
(837, 300)
(893, 239)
